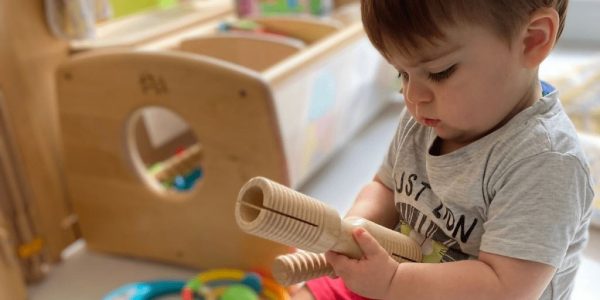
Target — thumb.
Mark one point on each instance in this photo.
(367, 243)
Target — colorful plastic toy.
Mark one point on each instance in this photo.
(146, 290)
(230, 284)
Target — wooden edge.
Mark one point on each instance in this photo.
(172, 41)
(314, 53)
(280, 41)
(19, 199)
(254, 51)
(302, 20)
(308, 29)
(89, 57)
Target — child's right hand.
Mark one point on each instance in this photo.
(369, 276)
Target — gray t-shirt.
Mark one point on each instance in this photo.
(522, 191)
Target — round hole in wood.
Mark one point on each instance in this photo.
(252, 203)
(164, 149)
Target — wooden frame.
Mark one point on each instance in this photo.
(27, 81)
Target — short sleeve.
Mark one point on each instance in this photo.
(537, 208)
(385, 172)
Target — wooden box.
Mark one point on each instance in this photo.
(257, 105)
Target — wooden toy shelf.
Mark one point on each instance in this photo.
(257, 105)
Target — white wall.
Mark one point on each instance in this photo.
(583, 22)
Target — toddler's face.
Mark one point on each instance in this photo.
(466, 86)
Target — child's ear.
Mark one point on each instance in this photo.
(539, 36)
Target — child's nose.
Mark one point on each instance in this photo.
(416, 92)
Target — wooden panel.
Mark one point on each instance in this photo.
(28, 56)
(309, 30)
(15, 201)
(325, 94)
(339, 3)
(318, 51)
(252, 51)
(230, 112)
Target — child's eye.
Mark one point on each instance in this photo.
(440, 76)
(403, 76)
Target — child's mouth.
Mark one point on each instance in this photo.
(431, 122)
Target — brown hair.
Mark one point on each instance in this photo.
(409, 23)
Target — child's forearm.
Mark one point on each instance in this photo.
(375, 202)
(456, 280)
(503, 278)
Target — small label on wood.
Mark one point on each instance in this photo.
(153, 84)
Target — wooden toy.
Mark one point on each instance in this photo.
(272, 211)
(257, 106)
(289, 269)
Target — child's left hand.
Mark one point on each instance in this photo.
(369, 276)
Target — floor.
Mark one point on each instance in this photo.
(86, 274)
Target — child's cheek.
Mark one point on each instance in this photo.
(411, 108)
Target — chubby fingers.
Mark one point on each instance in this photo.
(336, 259)
(342, 265)
(367, 243)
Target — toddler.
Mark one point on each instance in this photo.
(485, 171)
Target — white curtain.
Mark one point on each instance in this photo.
(75, 19)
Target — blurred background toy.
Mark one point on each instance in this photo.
(232, 284)
(146, 290)
(278, 7)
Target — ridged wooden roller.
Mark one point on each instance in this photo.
(275, 212)
(300, 266)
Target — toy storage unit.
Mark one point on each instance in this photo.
(263, 105)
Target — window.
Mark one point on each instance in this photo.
(583, 22)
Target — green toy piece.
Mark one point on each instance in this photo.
(239, 292)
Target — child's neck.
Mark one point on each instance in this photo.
(441, 147)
